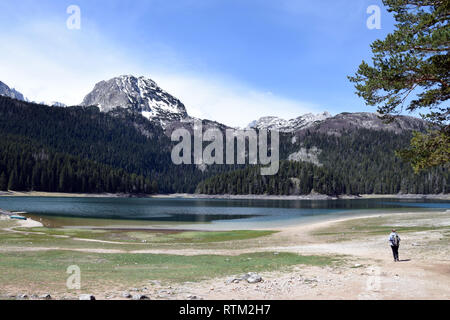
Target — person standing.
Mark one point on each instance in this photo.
(394, 241)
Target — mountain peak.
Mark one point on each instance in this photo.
(53, 104)
(282, 125)
(8, 92)
(139, 94)
(326, 123)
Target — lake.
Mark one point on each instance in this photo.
(214, 214)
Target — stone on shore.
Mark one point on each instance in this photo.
(250, 277)
(140, 297)
(253, 278)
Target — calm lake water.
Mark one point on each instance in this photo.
(208, 213)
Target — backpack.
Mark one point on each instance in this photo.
(396, 240)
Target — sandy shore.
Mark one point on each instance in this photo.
(225, 196)
(308, 197)
(59, 194)
(29, 223)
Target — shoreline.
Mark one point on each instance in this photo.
(226, 196)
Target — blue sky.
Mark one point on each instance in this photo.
(231, 61)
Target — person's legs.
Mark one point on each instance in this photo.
(395, 250)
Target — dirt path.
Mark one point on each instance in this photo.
(370, 273)
(423, 273)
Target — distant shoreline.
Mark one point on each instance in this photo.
(225, 196)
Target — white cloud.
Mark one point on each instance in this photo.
(47, 62)
(229, 101)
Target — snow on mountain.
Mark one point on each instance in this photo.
(12, 93)
(282, 125)
(53, 104)
(366, 120)
(326, 123)
(145, 96)
(8, 92)
(139, 94)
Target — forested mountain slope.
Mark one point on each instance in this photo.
(358, 161)
(80, 149)
(120, 140)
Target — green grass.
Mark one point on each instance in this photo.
(150, 237)
(217, 236)
(357, 228)
(7, 223)
(48, 269)
(377, 230)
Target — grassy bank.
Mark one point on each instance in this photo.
(23, 267)
(156, 236)
(125, 240)
(46, 271)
